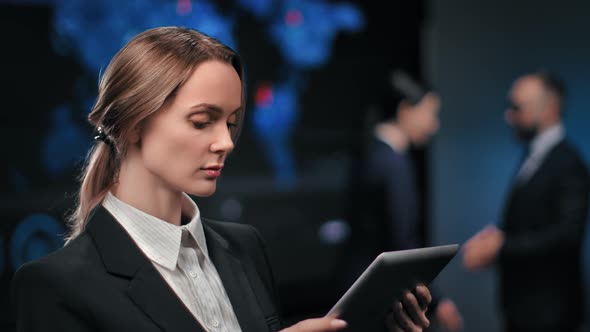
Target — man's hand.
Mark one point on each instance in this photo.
(325, 324)
(482, 249)
(448, 316)
(409, 315)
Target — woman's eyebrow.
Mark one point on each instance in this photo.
(205, 107)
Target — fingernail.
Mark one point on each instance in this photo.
(338, 323)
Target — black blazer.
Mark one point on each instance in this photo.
(540, 262)
(101, 281)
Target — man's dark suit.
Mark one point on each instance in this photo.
(387, 202)
(101, 281)
(543, 223)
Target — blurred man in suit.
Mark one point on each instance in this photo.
(538, 246)
(387, 203)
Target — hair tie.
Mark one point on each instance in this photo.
(102, 136)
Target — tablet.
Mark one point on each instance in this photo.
(366, 303)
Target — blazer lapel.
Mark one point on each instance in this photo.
(236, 282)
(147, 288)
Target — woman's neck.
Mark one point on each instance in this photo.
(139, 188)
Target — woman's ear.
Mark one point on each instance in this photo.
(135, 135)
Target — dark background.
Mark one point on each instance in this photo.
(469, 51)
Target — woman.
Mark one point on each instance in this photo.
(139, 257)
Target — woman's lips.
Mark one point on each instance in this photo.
(213, 171)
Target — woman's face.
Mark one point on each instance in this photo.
(185, 144)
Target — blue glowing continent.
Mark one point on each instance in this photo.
(306, 29)
(274, 119)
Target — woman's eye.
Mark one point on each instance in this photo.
(232, 125)
(200, 125)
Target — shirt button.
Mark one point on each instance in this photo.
(215, 323)
(193, 274)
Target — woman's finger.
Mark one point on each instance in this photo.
(402, 320)
(423, 296)
(414, 311)
(325, 324)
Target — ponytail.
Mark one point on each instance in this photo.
(97, 178)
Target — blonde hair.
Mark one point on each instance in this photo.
(140, 78)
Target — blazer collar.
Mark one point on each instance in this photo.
(147, 288)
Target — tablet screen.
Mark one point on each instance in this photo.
(366, 303)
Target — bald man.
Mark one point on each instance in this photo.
(538, 246)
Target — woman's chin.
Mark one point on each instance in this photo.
(203, 190)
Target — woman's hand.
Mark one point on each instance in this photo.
(409, 314)
(324, 324)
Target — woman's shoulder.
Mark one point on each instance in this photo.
(58, 266)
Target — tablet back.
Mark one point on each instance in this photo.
(366, 303)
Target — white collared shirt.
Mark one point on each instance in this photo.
(540, 147)
(180, 255)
